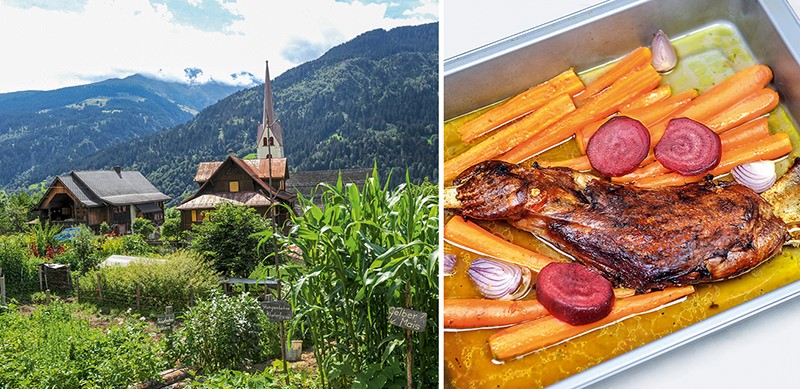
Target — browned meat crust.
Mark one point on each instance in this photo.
(638, 238)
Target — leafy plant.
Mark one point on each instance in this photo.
(364, 252)
(171, 229)
(42, 240)
(225, 238)
(271, 377)
(223, 332)
(82, 251)
(143, 227)
(51, 348)
(18, 266)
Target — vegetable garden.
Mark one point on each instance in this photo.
(343, 266)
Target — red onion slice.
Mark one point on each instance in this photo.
(758, 176)
(499, 280)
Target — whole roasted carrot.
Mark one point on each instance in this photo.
(470, 235)
(510, 136)
(637, 58)
(546, 331)
(478, 313)
(771, 147)
(604, 104)
(759, 103)
(659, 94)
(718, 98)
(565, 83)
(742, 135)
(648, 115)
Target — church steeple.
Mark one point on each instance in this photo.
(270, 135)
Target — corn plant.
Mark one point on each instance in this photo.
(365, 251)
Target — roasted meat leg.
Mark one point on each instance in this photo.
(638, 238)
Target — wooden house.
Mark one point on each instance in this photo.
(256, 183)
(116, 197)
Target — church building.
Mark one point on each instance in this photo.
(258, 183)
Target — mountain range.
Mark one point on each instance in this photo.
(370, 101)
(59, 127)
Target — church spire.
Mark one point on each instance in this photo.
(270, 135)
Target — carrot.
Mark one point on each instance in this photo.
(771, 147)
(647, 115)
(648, 99)
(521, 104)
(510, 136)
(757, 104)
(578, 163)
(600, 106)
(637, 58)
(718, 98)
(469, 235)
(546, 331)
(744, 134)
(478, 313)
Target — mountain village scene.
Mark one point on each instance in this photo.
(277, 234)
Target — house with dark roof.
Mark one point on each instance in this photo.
(92, 197)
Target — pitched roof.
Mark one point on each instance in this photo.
(210, 201)
(83, 194)
(258, 168)
(306, 182)
(125, 187)
(95, 188)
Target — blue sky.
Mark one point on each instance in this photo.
(52, 44)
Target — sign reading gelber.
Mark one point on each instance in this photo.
(277, 310)
(164, 322)
(408, 318)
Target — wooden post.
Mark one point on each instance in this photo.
(41, 280)
(77, 289)
(191, 296)
(99, 288)
(2, 289)
(138, 297)
(168, 310)
(409, 356)
(47, 295)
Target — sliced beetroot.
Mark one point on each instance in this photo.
(688, 148)
(573, 293)
(618, 146)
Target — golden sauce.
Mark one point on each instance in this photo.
(706, 57)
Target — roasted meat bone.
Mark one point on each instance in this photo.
(646, 239)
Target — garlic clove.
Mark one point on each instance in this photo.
(449, 264)
(664, 56)
(499, 280)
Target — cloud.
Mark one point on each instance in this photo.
(48, 48)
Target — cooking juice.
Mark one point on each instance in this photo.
(706, 56)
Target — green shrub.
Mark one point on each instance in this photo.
(170, 282)
(50, 348)
(225, 239)
(132, 244)
(42, 240)
(362, 250)
(224, 332)
(143, 227)
(171, 229)
(82, 251)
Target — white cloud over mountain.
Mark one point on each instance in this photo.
(45, 46)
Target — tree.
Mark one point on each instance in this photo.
(171, 229)
(225, 239)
